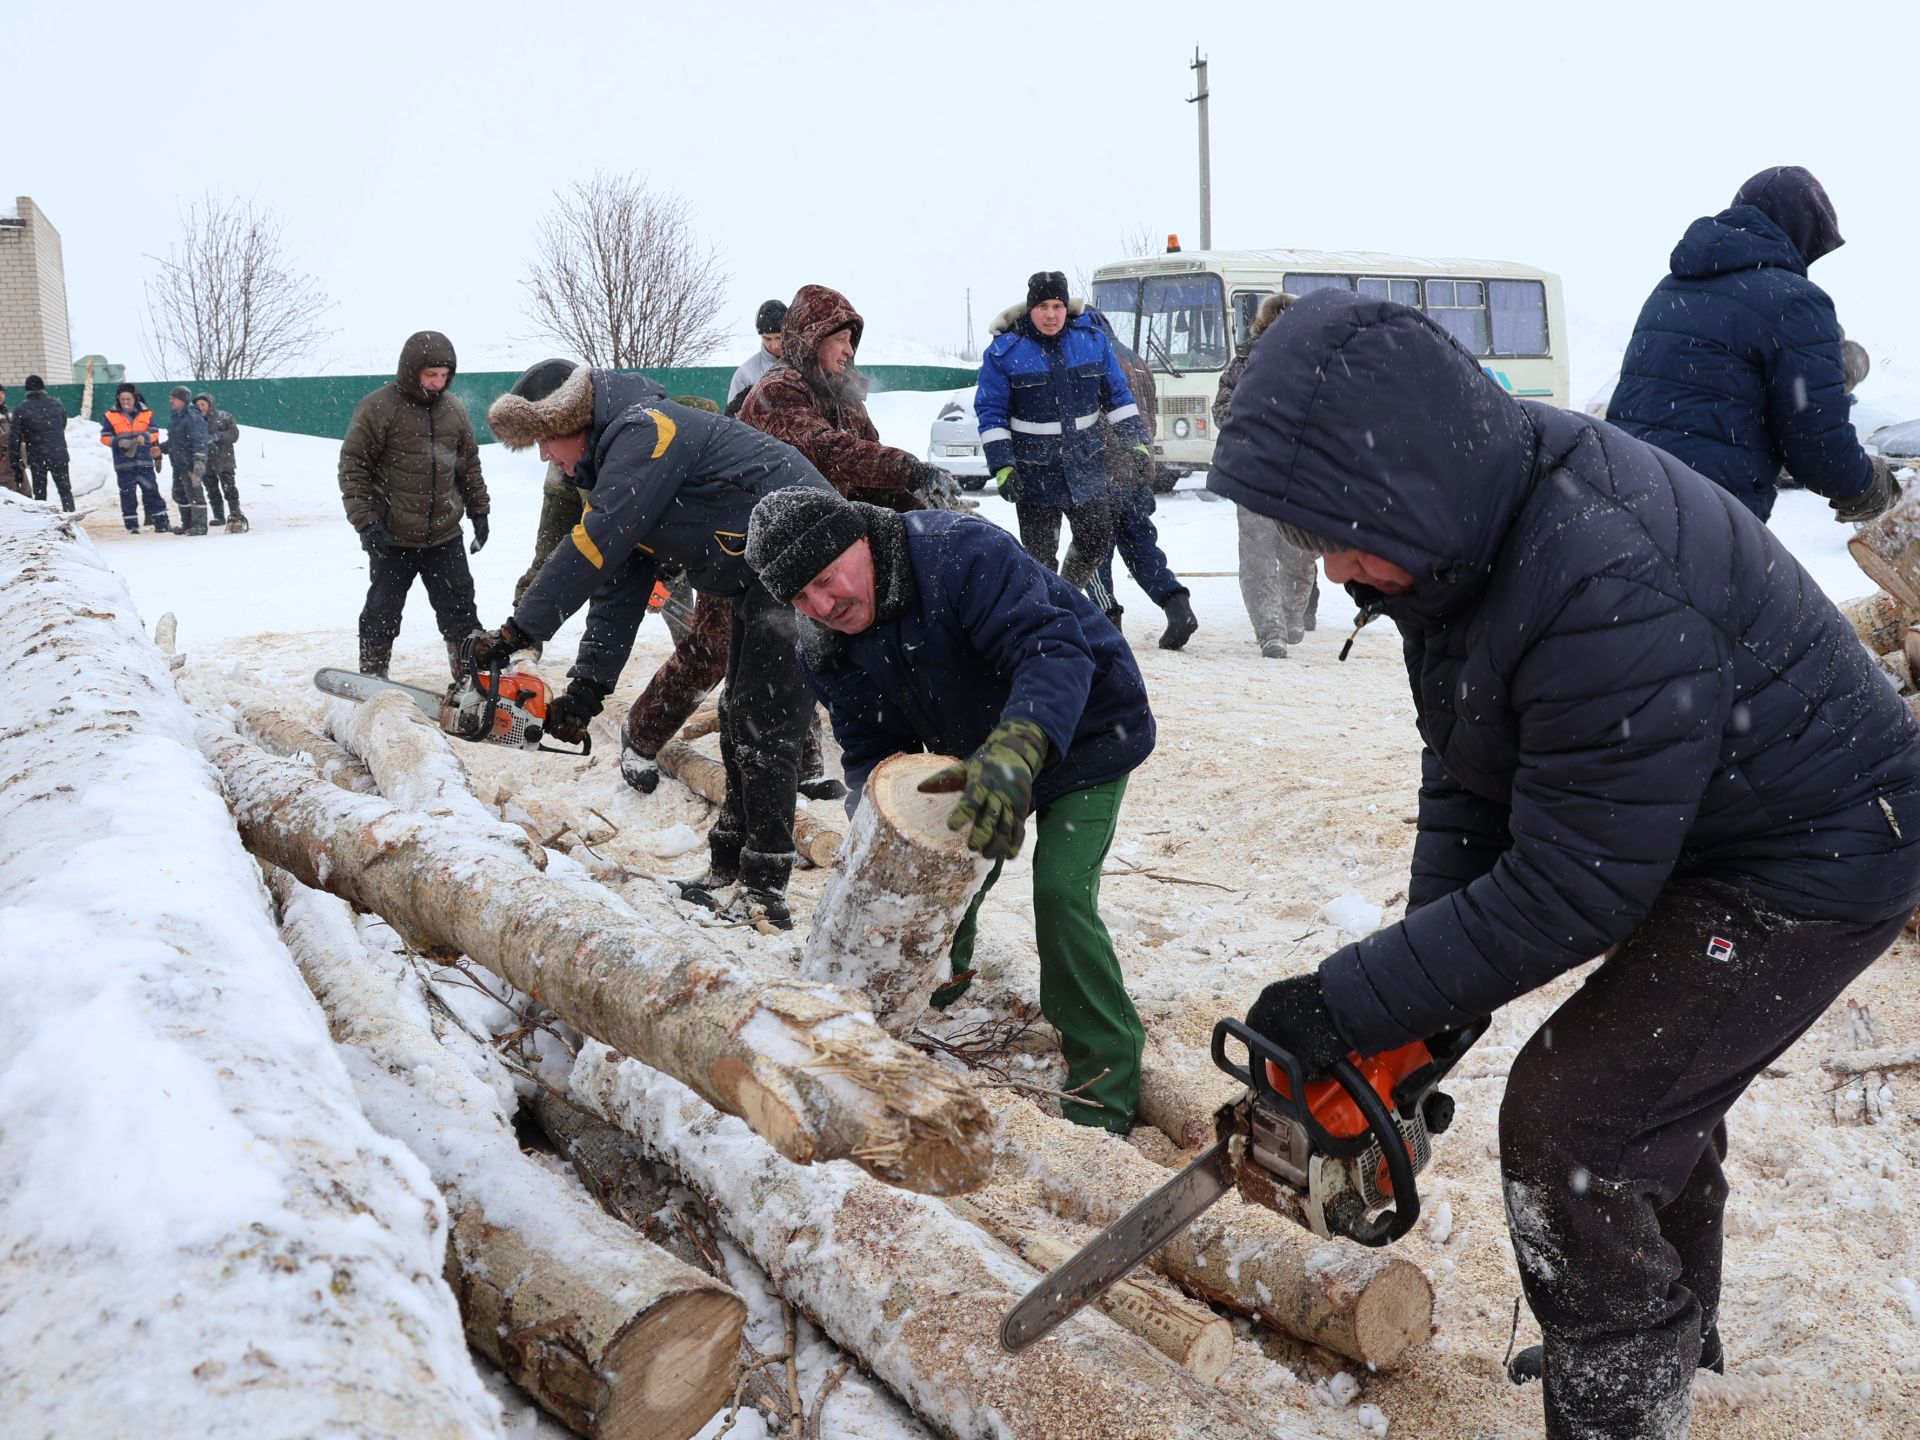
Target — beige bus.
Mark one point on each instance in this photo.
(1186, 314)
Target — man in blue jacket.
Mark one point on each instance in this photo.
(934, 631)
(1648, 737)
(1043, 388)
(1735, 366)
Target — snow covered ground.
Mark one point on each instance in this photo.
(1269, 824)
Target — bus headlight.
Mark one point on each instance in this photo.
(1181, 429)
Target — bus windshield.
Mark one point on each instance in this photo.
(1119, 301)
(1185, 317)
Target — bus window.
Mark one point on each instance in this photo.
(1307, 284)
(1246, 304)
(1119, 301)
(1519, 316)
(1460, 307)
(1186, 322)
(1404, 292)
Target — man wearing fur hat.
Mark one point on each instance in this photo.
(936, 632)
(1044, 386)
(670, 486)
(814, 399)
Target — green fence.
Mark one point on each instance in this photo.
(323, 404)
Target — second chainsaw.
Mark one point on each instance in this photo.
(488, 704)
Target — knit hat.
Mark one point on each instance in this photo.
(34, 382)
(549, 401)
(182, 394)
(1046, 285)
(772, 316)
(1789, 196)
(796, 533)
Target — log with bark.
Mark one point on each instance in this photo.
(899, 889)
(1181, 1089)
(813, 842)
(414, 764)
(1365, 1304)
(1887, 548)
(604, 1328)
(803, 1064)
(911, 1289)
(288, 735)
(1879, 620)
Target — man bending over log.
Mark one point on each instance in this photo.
(667, 486)
(1650, 738)
(935, 631)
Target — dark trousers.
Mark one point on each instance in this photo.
(190, 494)
(223, 494)
(1137, 543)
(1092, 544)
(763, 724)
(56, 467)
(137, 485)
(1613, 1130)
(391, 571)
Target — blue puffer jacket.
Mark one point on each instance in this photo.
(1619, 674)
(1039, 402)
(970, 631)
(1734, 366)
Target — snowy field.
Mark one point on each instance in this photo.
(1273, 820)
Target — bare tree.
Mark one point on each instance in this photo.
(227, 304)
(622, 279)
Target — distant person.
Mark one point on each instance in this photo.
(1277, 580)
(223, 493)
(1043, 388)
(16, 476)
(1735, 365)
(127, 431)
(773, 314)
(187, 445)
(814, 398)
(39, 437)
(409, 470)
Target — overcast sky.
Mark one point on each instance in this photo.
(905, 153)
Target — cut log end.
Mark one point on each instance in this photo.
(1394, 1314)
(667, 1382)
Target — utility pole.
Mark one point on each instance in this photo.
(1206, 163)
(969, 353)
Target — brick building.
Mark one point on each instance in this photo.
(33, 299)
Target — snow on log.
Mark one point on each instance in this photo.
(1888, 549)
(1187, 1333)
(1181, 1090)
(814, 842)
(804, 1064)
(899, 889)
(413, 763)
(1878, 619)
(204, 1236)
(287, 735)
(909, 1287)
(1365, 1304)
(604, 1328)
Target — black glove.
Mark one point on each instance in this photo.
(485, 645)
(479, 534)
(1293, 1015)
(996, 785)
(568, 716)
(934, 485)
(375, 539)
(1876, 499)
(1007, 481)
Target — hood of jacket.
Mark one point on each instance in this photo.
(1789, 196)
(424, 348)
(816, 312)
(1363, 422)
(1743, 237)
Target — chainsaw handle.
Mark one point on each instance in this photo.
(1260, 1053)
(586, 747)
(1394, 1223)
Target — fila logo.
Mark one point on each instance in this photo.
(1718, 949)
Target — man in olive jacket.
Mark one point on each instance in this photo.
(409, 468)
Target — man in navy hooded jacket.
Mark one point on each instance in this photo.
(1734, 367)
(1648, 737)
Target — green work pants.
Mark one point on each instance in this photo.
(1082, 993)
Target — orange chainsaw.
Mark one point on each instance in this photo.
(1340, 1161)
(494, 706)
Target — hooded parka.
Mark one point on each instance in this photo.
(410, 461)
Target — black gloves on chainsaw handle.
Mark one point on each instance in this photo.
(996, 785)
(1876, 499)
(1293, 1014)
(570, 714)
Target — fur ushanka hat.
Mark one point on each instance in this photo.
(549, 401)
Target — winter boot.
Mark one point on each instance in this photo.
(1531, 1362)
(1113, 617)
(216, 505)
(1274, 649)
(159, 523)
(761, 900)
(642, 772)
(133, 527)
(723, 869)
(956, 986)
(822, 787)
(1180, 621)
(1296, 636)
(375, 658)
(238, 524)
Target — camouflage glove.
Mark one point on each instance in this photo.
(487, 645)
(1876, 499)
(935, 486)
(1007, 481)
(996, 785)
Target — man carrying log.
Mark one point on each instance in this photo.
(1649, 737)
(937, 632)
(668, 485)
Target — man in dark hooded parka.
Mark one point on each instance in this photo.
(1647, 737)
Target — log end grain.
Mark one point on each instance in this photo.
(1394, 1315)
(666, 1384)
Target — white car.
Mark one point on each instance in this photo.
(954, 444)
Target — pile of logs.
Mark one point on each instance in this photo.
(1888, 550)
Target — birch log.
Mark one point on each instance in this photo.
(605, 1329)
(1365, 1304)
(803, 1064)
(911, 1289)
(1888, 549)
(815, 842)
(1878, 619)
(414, 764)
(284, 734)
(899, 889)
(1181, 1090)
